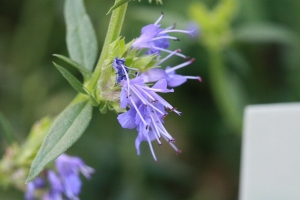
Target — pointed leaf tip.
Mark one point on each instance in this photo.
(74, 82)
(118, 4)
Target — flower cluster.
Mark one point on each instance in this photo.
(146, 109)
(64, 183)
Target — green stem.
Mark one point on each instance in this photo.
(113, 32)
(221, 91)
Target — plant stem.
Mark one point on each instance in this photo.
(113, 32)
(221, 91)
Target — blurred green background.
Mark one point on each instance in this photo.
(263, 55)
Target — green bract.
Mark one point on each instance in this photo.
(107, 89)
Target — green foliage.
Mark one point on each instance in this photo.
(15, 163)
(81, 37)
(33, 142)
(85, 72)
(65, 131)
(215, 23)
(256, 55)
(76, 84)
(216, 36)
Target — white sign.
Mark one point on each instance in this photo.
(270, 167)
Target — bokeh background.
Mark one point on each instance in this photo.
(261, 58)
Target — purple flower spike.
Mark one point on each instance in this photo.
(156, 39)
(68, 168)
(147, 110)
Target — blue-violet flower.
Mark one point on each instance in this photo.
(156, 39)
(68, 168)
(64, 183)
(146, 109)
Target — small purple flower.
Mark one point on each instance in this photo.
(56, 187)
(173, 79)
(32, 186)
(68, 168)
(29, 194)
(66, 183)
(156, 39)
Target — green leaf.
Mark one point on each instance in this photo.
(117, 4)
(143, 63)
(76, 84)
(81, 37)
(65, 131)
(266, 32)
(83, 71)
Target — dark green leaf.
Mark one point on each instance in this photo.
(118, 4)
(65, 131)
(83, 71)
(76, 84)
(81, 38)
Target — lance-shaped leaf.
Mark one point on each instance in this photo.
(85, 72)
(81, 37)
(65, 131)
(76, 84)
